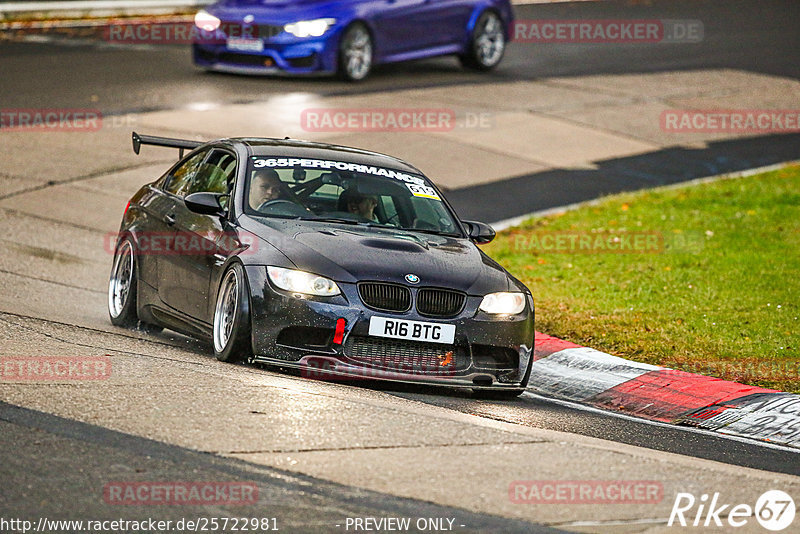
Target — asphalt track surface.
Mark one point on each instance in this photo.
(78, 73)
(755, 36)
(760, 37)
(74, 457)
(540, 412)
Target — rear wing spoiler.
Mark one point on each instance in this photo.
(180, 144)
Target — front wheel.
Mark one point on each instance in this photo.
(487, 43)
(355, 53)
(232, 317)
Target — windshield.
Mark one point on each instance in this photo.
(345, 193)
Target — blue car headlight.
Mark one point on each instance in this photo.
(296, 281)
(503, 303)
(309, 28)
(206, 21)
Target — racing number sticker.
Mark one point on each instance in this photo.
(423, 191)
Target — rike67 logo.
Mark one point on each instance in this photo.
(774, 510)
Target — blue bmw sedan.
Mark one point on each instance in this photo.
(348, 37)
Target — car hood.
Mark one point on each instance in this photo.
(274, 10)
(351, 254)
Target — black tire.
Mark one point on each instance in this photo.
(356, 52)
(122, 286)
(487, 44)
(231, 326)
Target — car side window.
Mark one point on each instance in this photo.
(215, 175)
(181, 179)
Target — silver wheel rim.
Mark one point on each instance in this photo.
(490, 41)
(119, 285)
(357, 53)
(225, 311)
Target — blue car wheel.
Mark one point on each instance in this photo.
(355, 53)
(488, 43)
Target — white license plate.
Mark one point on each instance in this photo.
(412, 330)
(245, 45)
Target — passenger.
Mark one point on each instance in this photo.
(362, 205)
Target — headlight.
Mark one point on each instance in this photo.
(503, 303)
(206, 21)
(302, 282)
(309, 28)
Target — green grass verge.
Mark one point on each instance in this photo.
(709, 280)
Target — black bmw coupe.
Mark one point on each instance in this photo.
(334, 260)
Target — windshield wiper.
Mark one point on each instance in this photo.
(432, 232)
(277, 215)
(378, 225)
(333, 219)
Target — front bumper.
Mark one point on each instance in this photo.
(316, 55)
(487, 353)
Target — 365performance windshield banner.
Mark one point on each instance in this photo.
(415, 184)
(260, 163)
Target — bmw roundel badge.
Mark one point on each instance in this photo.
(412, 278)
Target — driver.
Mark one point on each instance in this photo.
(265, 186)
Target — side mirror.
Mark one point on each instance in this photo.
(480, 233)
(205, 203)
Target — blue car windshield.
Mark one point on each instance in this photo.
(346, 193)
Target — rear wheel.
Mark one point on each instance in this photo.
(355, 53)
(487, 44)
(122, 290)
(122, 286)
(232, 317)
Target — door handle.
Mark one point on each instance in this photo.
(170, 219)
